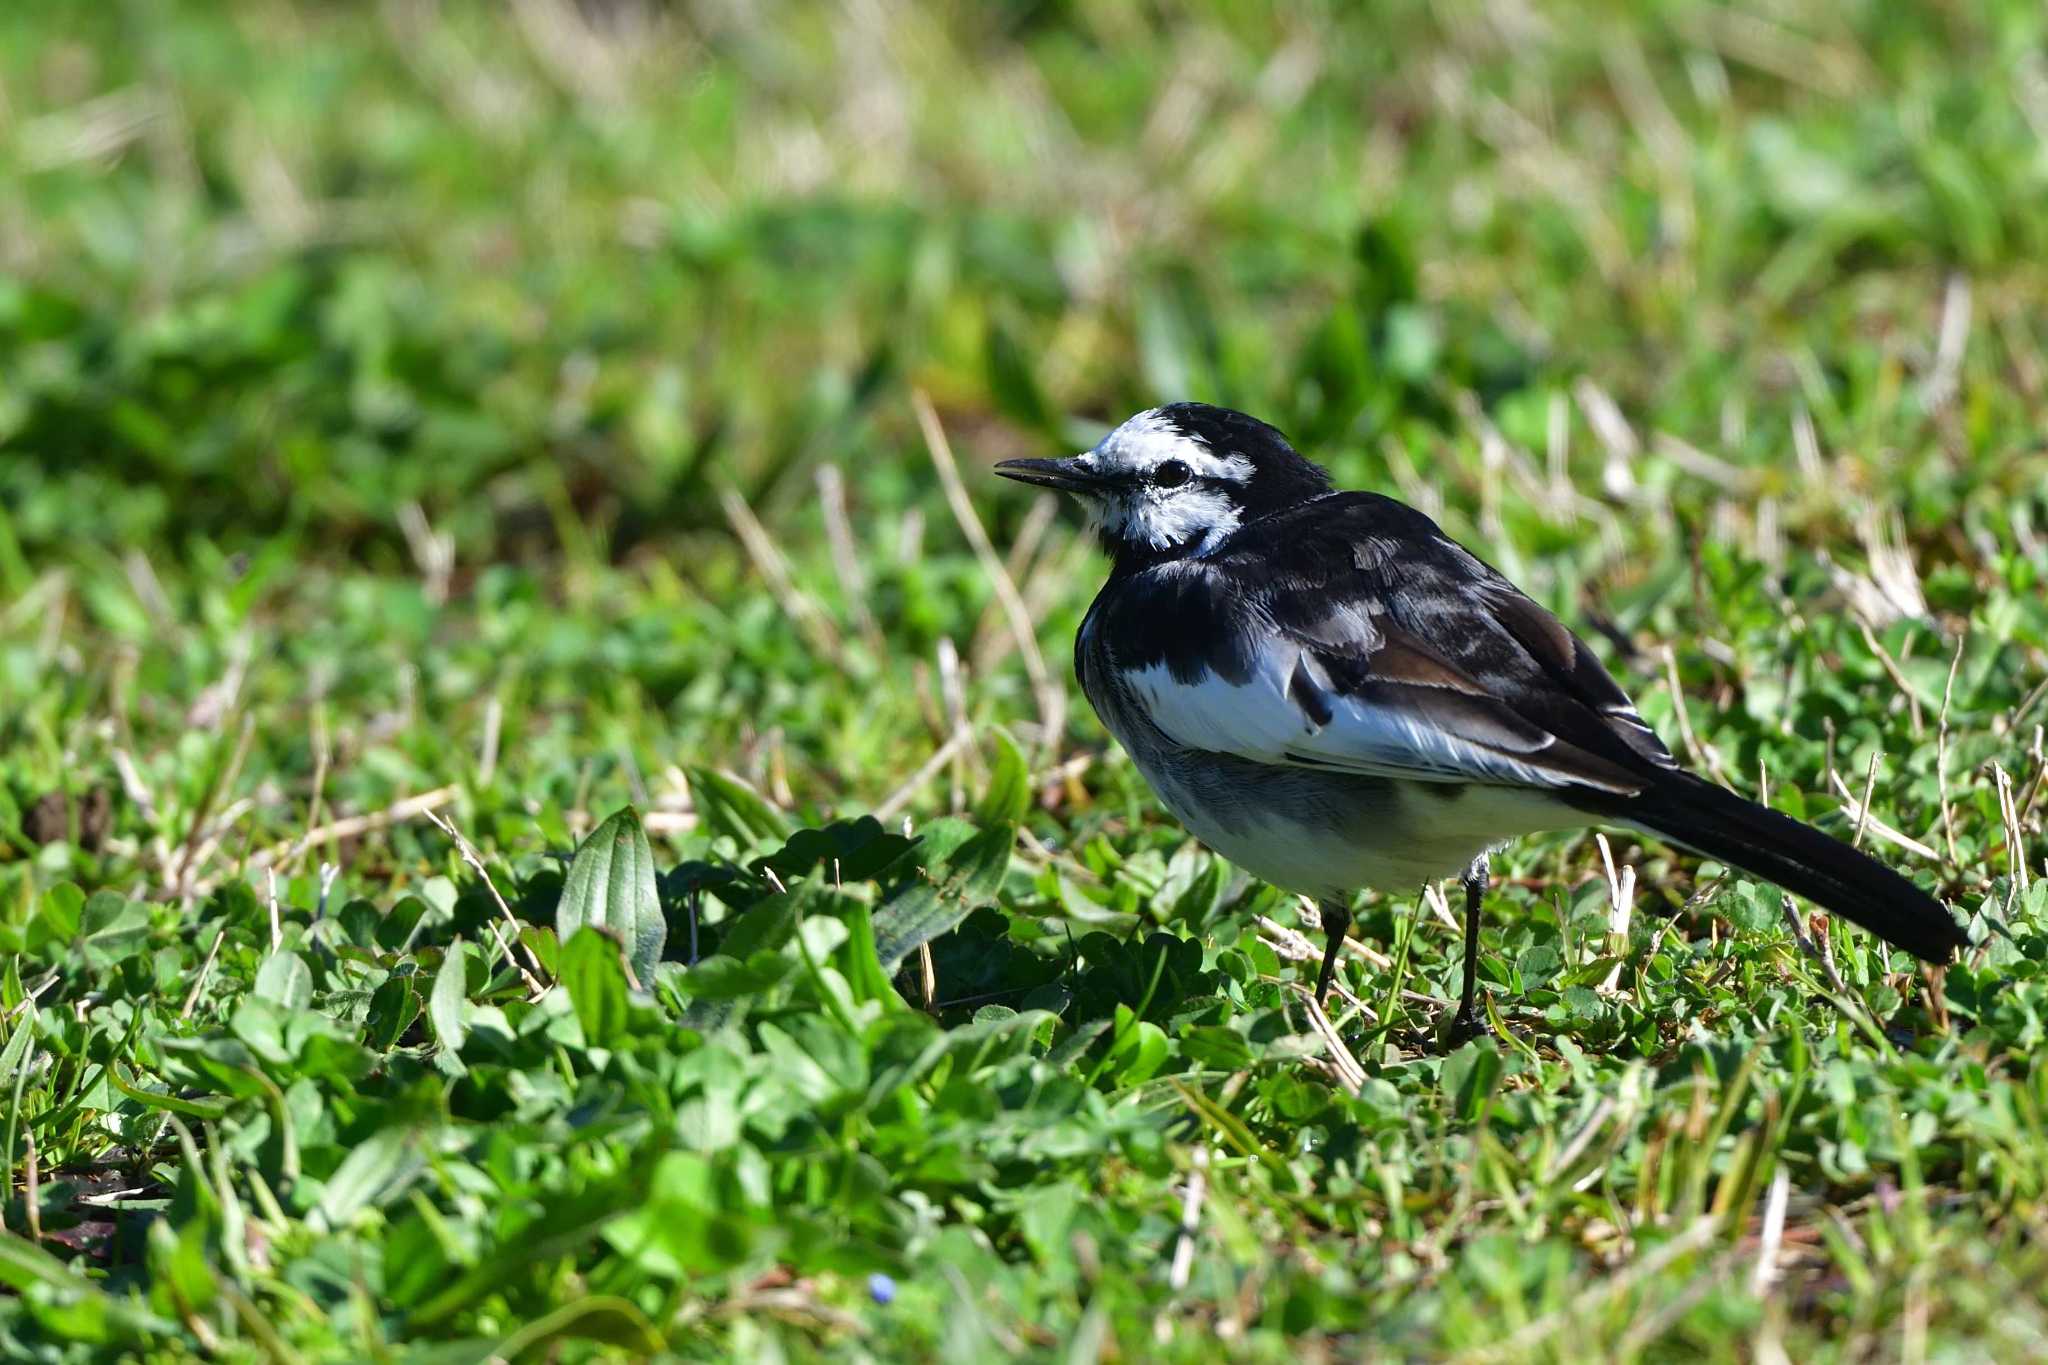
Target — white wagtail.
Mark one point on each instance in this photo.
(1333, 694)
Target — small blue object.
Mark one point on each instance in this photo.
(881, 1288)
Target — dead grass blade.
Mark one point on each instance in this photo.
(1049, 691)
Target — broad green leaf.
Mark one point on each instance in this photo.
(179, 1267)
(156, 1099)
(845, 850)
(1045, 1215)
(1753, 909)
(57, 920)
(405, 918)
(260, 1025)
(23, 1264)
(611, 887)
(765, 925)
(863, 966)
(1140, 1048)
(16, 1048)
(227, 1064)
(450, 994)
(730, 807)
(599, 1317)
(1008, 798)
(285, 979)
(719, 977)
(1469, 1076)
(1195, 879)
(596, 981)
(541, 941)
(375, 1170)
(393, 1007)
(684, 1226)
(570, 1225)
(1216, 1048)
(105, 910)
(953, 870)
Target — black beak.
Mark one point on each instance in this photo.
(1069, 476)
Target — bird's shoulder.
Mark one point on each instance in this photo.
(1341, 537)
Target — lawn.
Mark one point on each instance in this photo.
(544, 811)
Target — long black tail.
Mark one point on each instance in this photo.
(1710, 820)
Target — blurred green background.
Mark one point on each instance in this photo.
(1595, 283)
(513, 409)
(279, 268)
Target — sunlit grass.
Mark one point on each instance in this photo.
(419, 420)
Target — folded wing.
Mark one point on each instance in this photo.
(1376, 645)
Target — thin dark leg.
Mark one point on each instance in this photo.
(1336, 922)
(1466, 1023)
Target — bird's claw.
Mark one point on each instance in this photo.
(1464, 1027)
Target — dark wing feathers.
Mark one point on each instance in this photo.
(1571, 665)
(1395, 614)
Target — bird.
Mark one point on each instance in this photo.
(1327, 690)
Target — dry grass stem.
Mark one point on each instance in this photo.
(1863, 806)
(1939, 388)
(1703, 755)
(1433, 900)
(2015, 837)
(205, 970)
(348, 827)
(189, 858)
(1051, 694)
(1772, 1236)
(1621, 898)
(1865, 819)
(1350, 1074)
(1898, 676)
(800, 606)
(839, 538)
(469, 855)
(1948, 819)
(1196, 1191)
(894, 803)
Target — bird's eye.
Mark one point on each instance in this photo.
(1171, 474)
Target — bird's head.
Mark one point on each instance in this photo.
(1176, 480)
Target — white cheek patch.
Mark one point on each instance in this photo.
(1175, 516)
(1166, 517)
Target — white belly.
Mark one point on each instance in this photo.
(1320, 831)
(1399, 839)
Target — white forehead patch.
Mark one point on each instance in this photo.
(1149, 440)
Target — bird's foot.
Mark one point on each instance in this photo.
(1464, 1027)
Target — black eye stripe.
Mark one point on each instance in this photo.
(1170, 474)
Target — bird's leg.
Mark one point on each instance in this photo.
(1466, 1022)
(1336, 922)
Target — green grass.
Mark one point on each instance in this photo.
(388, 397)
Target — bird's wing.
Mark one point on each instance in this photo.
(1351, 634)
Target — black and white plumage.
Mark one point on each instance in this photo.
(1333, 694)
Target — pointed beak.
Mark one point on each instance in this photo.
(1069, 476)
